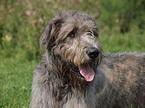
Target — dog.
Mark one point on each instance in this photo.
(75, 73)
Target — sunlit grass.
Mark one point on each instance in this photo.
(22, 23)
(15, 83)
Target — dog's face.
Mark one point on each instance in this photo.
(73, 38)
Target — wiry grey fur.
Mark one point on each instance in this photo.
(119, 78)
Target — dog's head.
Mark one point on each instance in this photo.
(72, 37)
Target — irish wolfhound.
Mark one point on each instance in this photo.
(74, 72)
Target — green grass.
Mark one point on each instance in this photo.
(129, 42)
(15, 83)
(122, 28)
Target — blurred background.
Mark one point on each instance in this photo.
(22, 22)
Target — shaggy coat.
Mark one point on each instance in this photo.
(74, 72)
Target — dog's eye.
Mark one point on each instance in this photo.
(72, 33)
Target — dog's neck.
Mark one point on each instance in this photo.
(65, 74)
(68, 76)
(65, 82)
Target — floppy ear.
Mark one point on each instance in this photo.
(50, 33)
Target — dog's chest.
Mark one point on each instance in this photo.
(75, 101)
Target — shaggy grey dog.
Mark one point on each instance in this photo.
(74, 72)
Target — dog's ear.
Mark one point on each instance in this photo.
(50, 33)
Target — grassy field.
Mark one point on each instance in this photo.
(121, 27)
(15, 83)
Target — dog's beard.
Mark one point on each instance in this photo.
(84, 71)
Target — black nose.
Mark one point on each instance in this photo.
(93, 52)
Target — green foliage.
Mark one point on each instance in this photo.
(121, 23)
(131, 41)
(23, 22)
(124, 14)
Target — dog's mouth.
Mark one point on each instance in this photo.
(84, 71)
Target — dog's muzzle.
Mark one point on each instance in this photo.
(85, 70)
(93, 52)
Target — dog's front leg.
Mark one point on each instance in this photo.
(41, 95)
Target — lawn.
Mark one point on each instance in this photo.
(22, 22)
(15, 83)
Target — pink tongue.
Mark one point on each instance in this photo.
(87, 72)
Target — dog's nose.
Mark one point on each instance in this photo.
(93, 52)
